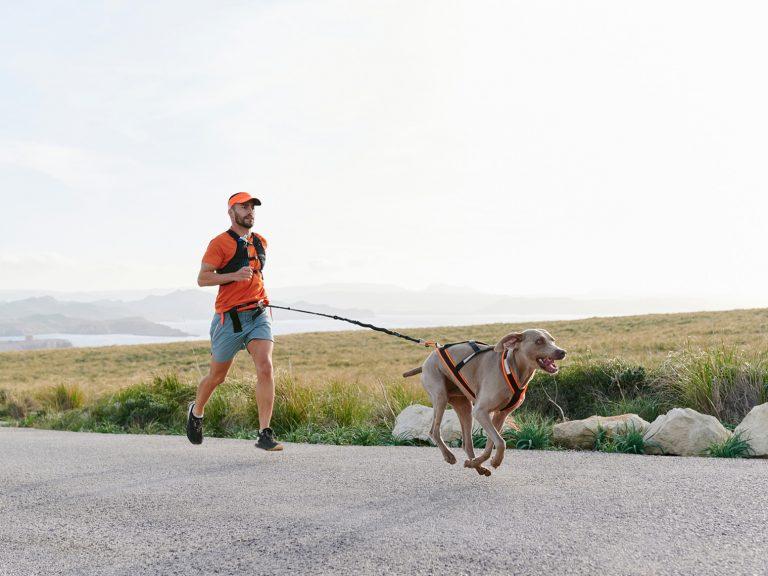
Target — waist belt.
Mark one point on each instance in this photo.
(518, 392)
(234, 314)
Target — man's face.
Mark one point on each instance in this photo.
(243, 214)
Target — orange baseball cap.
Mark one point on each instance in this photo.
(242, 198)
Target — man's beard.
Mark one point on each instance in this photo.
(242, 221)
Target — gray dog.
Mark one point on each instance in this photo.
(485, 385)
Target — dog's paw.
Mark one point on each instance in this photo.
(468, 464)
(496, 462)
(450, 458)
(483, 471)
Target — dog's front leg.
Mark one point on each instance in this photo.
(483, 416)
(497, 421)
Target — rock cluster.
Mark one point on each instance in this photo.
(415, 422)
(754, 429)
(681, 431)
(582, 433)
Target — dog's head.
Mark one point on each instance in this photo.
(535, 346)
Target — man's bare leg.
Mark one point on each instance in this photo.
(216, 375)
(261, 352)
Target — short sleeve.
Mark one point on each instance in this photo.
(263, 240)
(214, 255)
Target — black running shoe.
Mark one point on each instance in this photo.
(194, 426)
(267, 440)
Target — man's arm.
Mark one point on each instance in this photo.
(209, 277)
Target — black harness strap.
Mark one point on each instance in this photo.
(241, 257)
(475, 351)
(455, 368)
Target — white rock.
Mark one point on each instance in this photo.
(581, 433)
(754, 429)
(415, 422)
(684, 432)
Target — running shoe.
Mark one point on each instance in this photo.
(194, 426)
(267, 440)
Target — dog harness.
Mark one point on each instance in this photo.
(518, 392)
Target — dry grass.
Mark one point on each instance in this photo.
(368, 358)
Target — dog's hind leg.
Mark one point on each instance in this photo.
(435, 384)
(439, 405)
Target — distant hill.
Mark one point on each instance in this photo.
(46, 305)
(348, 300)
(447, 300)
(144, 317)
(60, 324)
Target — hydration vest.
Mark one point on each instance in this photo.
(241, 257)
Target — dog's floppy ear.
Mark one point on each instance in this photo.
(508, 341)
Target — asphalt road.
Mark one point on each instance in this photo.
(97, 504)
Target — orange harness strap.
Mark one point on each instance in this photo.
(518, 392)
(451, 365)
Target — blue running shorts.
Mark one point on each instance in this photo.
(225, 342)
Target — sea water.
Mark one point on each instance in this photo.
(401, 323)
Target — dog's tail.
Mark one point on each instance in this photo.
(412, 372)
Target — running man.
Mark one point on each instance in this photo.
(234, 262)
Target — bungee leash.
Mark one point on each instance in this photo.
(518, 390)
(358, 323)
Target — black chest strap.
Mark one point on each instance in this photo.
(241, 256)
(455, 368)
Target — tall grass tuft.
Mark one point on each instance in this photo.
(61, 398)
(400, 394)
(18, 406)
(535, 432)
(603, 442)
(160, 405)
(295, 404)
(647, 407)
(629, 441)
(584, 388)
(231, 412)
(346, 404)
(725, 382)
(734, 447)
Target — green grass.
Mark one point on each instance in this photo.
(627, 441)
(725, 381)
(346, 387)
(366, 357)
(734, 447)
(588, 387)
(535, 433)
(362, 435)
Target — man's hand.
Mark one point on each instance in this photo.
(209, 277)
(244, 274)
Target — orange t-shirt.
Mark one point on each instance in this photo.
(220, 251)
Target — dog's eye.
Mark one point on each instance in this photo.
(540, 341)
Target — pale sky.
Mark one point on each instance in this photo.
(607, 148)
